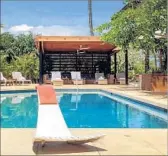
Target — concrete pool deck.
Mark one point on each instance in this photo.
(116, 142)
(15, 141)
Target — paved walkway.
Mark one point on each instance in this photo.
(116, 142)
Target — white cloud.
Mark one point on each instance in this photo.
(54, 30)
(20, 28)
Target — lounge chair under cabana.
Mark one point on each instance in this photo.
(19, 78)
(120, 77)
(56, 78)
(51, 126)
(99, 78)
(76, 78)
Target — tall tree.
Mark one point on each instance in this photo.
(90, 17)
(151, 17)
(6, 46)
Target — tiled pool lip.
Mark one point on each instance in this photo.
(68, 90)
(142, 101)
(148, 109)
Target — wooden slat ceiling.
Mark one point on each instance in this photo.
(73, 43)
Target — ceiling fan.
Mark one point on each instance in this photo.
(82, 49)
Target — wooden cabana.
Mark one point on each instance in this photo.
(87, 54)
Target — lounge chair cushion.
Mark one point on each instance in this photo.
(46, 94)
(21, 79)
(101, 78)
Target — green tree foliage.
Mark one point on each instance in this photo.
(17, 45)
(5, 67)
(28, 64)
(136, 26)
(24, 44)
(136, 62)
(151, 17)
(18, 53)
(120, 30)
(6, 47)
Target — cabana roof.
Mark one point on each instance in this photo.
(73, 43)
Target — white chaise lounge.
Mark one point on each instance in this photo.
(120, 78)
(2, 78)
(56, 78)
(76, 78)
(19, 78)
(99, 79)
(51, 126)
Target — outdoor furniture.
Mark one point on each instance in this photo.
(99, 78)
(122, 81)
(51, 126)
(46, 79)
(102, 82)
(5, 81)
(76, 78)
(2, 78)
(19, 78)
(120, 78)
(89, 81)
(10, 82)
(66, 80)
(111, 79)
(56, 78)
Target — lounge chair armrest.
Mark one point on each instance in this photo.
(21, 78)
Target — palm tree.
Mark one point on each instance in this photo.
(90, 17)
(2, 26)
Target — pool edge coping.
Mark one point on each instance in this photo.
(148, 102)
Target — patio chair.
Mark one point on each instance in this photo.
(99, 78)
(76, 78)
(51, 126)
(56, 78)
(19, 78)
(120, 77)
(2, 78)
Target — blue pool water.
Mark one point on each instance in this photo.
(84, 110)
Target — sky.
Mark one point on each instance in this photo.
(59, 17)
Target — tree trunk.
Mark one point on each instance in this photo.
(160, 59)
(165, 61)
(90, 17)
(126, 67)
(146, 61)
(155, 59)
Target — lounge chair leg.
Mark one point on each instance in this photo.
(42, 144)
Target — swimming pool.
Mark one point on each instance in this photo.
(88, 109)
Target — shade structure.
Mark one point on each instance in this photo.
(87, 54)
(72, 43)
